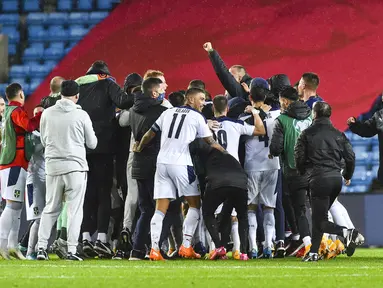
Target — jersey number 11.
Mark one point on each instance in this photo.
(178, 131)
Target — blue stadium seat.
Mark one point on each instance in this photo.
(19, 80)
(18, 71)
(77, 33)
(375, 140)
(35, 83)
(37, 45)
(356, 139)
(31, 5)
(97, 17)
(57, 45)
(36, 18)
(79, 18)
(26, 89)
(68, 49)
(361, 155)
(36, 33)
(64, 5)
(348, 135)
(104, 4)
(85, 5)
(375, 157)
(2, 88)
(50, 64)
(33, 53)
(12, 50)
(355, 189)
(53, 53)
(57, 33)
(10, 6)
(12, 33)
(374, 171)
(9, 19)
(57, 19)
(31, 63)
(362, 177)
(39, 70)
(362, 168)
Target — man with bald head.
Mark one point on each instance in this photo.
(56, 85)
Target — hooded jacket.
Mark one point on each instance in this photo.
(289, 126)
(142, 116)
(65, 131)
(99, 99)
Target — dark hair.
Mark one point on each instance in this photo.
(322, 109)
(197, 84)
(289, 93)
(193, 91)
(177, 99)
(49, 101)
(38, 106)
(13, 90)
(220, 103)
(258, 94)
(311, 80)
(149, 84)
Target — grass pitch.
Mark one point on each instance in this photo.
(364, 269)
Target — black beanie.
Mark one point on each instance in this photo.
(132, 80)
(289, 93)
(69, 88)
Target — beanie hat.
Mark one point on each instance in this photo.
(278, 82)
(259, 82)
(69, 88)
(289, 93)
(132, 80)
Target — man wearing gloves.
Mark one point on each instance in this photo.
(65, 130)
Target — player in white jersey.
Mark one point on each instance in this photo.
(262, 175)
(175, 172)
(35, 196)
(227, 134)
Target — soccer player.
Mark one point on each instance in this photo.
(175, 172)
(35, 196)
(15, 154)
(262, 175)
(307, 89)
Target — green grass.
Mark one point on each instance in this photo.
(364, 269)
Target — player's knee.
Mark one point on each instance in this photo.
(162, 205)
(234, 219)
(14, 205)
(252, 207)
(267, 208)
(194, 201)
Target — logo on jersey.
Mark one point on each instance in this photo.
(17, 193)
(301, 125)
(36, 210)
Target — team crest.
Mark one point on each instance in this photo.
(17, 193)
(301, 125)
(36, 211)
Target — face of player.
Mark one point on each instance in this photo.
(284, 103)
(22, 97)
(37, 110)
(2, 105)
(235, 73)
(164, 85)
(198, 101)
(301, 87)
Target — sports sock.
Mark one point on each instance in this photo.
(252, 230)
(101, 237)
(235, 236)
(86, 236)
(156, 228)
(190, 225)
(33, 237)
(268, 226)
(58, 226)
(307, 241)
(64, 216)
(10, 225)
(296, 237)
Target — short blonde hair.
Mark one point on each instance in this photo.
(153, 74)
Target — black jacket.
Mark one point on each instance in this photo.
(100, 100)
(142, 116)
(320, 150)
(278, 146)
(220, 169)
(370, 128)
(228, 81)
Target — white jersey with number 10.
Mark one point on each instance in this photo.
(179, 127)
(257, 147)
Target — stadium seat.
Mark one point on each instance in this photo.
(2, 88)
(12, 33)
(26, 89)
(357, 140)
(10, 6)
(53, 53)
(19, 80)
(36, 18)
(97, 17)
(362, 177)
(57, 45)
(85, 5)
(79, 18)
(31, 63)
(18, 71)
(37, 45)
(57, 19)
(12, 50)
(57, 33)
(375, 157)
(39, 70)
(50, 64)
(33, 53)
(361, 155)
(64, 5)
(34, 84)
(375, 140)
(77, 33)
(374, 171)
(348, 135)
(104, 4)
(359, 189)
(31, 5)
(9, 19)
(36, 33)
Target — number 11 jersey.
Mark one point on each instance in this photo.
(179, 127)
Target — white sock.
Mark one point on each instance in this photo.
(5, 227)
(333, 237)
(325, 236)
(33, 237)
(10, 225)
(86, 236)
(252, 230)
(198, 232)
(235, 236)
(101, 237)
(268, 226)
(345, 233)
(211, 243)
(190, 224)
(344, 212)
(337, 214)
(156, 228)
(306, 240)
(296, 237)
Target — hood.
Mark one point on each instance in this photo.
(132, 80)
(66, 105)
(298, 110)
(98, 69)
(142, 103)
(278, 82)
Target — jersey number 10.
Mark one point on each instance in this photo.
(178, 131)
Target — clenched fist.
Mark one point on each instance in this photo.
(351, 120)
(208, 47)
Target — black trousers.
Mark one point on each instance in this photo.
(324, 191)
(235, 198)
(97, 203)
(294, 204)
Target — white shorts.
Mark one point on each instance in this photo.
(35, 198)
(262, 186)
(172, 178)
(13, 181)
(219, 209)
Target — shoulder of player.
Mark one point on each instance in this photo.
(227, 119)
